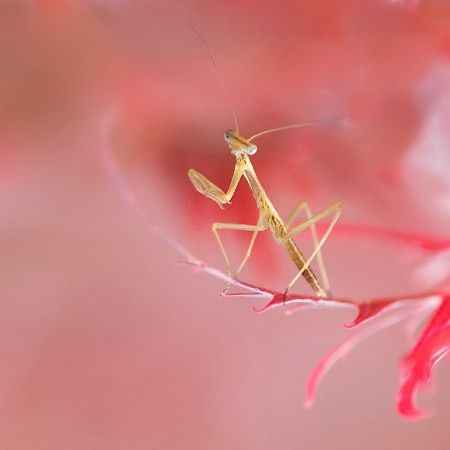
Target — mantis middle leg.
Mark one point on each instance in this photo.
(237, 226)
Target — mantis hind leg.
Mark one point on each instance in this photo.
(311, 223)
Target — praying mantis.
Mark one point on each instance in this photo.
(242, 149)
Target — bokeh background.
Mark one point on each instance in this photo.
(107, 343)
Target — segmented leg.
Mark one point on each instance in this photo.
(236, 226)
(310, 222)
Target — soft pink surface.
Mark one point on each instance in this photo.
(105, 342)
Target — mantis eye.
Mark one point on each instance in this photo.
(228, 136)
(251, 149)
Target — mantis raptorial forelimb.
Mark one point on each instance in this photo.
(268, 217)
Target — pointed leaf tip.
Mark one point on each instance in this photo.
(260, 310)
(278, 299)
(367, 310)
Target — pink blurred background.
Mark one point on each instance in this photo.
(106, 343)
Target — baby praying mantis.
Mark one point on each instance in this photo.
(242, 149)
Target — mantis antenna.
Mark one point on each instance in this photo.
(297, 125)
(202, 39)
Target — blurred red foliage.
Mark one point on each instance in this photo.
(101, 341)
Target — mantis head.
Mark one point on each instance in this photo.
(238, 144)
